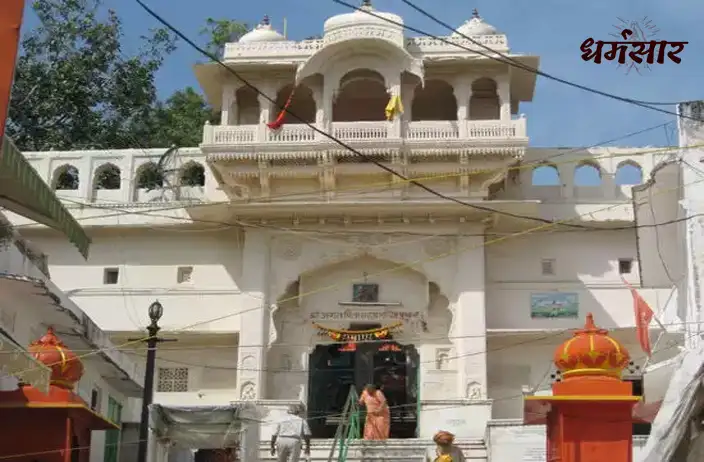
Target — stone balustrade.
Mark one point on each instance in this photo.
(410, 132)
(417, 46)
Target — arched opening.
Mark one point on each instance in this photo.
(247, 106)
(149, 176)
(302, 104)
(545, 175)
(484, 103)
(362, 97)
(628, 173)
(587, 174)
(435, 101)
(66, 178)
(107, 176)
(304, 328)
(192, 174)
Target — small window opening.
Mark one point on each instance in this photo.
(625, 265)
(184, 274)
(111, 276)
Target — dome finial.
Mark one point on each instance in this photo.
(366, 3)
(265, 20)
(66, 367)
(475, 14)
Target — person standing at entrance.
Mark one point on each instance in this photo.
(444, 450)
(378, 422)
(286, 441)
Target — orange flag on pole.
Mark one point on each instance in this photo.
(644, 315)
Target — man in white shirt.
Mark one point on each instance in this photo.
(288, 435)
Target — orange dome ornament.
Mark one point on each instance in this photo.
(591, 352)
(66, 367)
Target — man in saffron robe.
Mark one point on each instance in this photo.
(444, 450)
(378, 422)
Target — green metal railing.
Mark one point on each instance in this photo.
(349, 428)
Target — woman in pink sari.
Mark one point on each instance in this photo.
(378, 422)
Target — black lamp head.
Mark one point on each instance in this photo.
(156, 310)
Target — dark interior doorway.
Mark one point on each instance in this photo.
(333, 369)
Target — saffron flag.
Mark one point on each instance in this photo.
(394, 107)
(279, 121)
(644, 315)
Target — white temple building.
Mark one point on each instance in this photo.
(268, 248)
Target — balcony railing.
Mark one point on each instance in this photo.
(421, 131)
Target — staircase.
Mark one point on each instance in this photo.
(409, 450)
(347, 446)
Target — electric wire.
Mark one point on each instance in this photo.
(392, 269)
(201, 347)
(320, 417)
(182, 36)
(384, 185)
(367, 158)
(503, 58)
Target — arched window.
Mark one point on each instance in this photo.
(545, 175)
(192, 174)
(107, 176)
(150, 176)
(66, 178)
(628, 173)
(587, 175)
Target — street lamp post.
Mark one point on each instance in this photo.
(156, 310)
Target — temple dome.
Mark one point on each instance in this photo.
(475, 26)
(66, 367)
(591, 352)
(360, 18)
(262, 33)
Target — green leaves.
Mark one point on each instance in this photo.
(76, 88)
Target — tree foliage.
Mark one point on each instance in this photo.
(221, 31)
(76, 87)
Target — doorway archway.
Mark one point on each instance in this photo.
(335, 368)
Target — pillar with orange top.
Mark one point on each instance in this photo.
(10, 22)
(54, 426)
(589, 415)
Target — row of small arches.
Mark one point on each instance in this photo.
(109, 177)
(588, 174)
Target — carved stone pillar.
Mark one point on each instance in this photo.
(254, 308)
(266, 108)
(463, 93)
(504, 93)
(469, 324)
(396, 122)
(229, 106)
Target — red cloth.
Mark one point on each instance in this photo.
(279, 122)
(644, 315)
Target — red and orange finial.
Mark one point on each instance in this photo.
(66, 367)
(591, 352)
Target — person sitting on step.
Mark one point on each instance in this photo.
(444, 450)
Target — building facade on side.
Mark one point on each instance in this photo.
(31, 304)
(266, 247)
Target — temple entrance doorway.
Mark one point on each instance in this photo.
(334, 368)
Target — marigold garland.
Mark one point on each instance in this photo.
(379, 333)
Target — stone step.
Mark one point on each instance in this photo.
(410, 450)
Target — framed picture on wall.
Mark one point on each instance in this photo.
(555, 305)
(365, 293)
